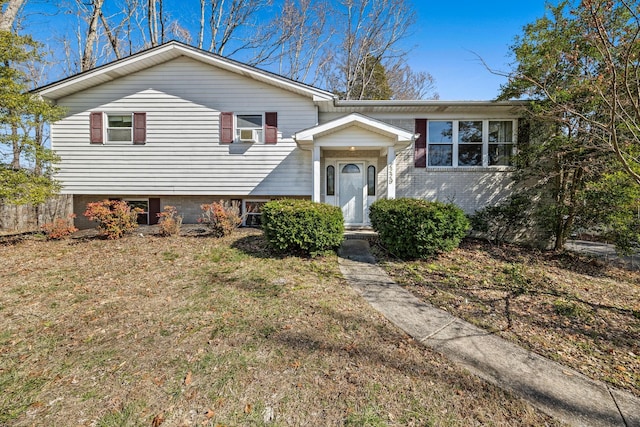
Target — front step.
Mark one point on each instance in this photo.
(360, 233)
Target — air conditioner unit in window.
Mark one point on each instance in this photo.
(248, 135)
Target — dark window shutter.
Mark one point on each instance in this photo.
(271, 128)
(226, 128)
(139, 128)
(95, 124)
(421, 144)
(154, 210)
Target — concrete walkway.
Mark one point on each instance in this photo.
(555, 389)
(604, 251)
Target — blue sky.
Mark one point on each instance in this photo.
(445, 37)
(449, 31)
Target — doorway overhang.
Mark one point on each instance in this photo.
(396, 137)
(370, 134)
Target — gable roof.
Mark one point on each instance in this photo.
(397, 137)
(167, 52)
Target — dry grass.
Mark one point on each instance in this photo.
(577, 310)
(204, 332)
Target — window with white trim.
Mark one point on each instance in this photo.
(253, 212)
(371, 180)
(249, 128)
(119, 128)
(440, 142)
(501, 143)
(143, 204)
(470, 143)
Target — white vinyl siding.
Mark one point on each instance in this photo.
(183, 156)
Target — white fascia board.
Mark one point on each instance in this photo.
(355, 119)
(101, 74)
(166, 52)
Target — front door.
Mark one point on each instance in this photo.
(351, 192)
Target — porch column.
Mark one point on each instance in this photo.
(391, 173)
(315, 197)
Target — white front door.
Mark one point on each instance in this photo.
(351, 191)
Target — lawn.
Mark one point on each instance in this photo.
(577, 310)
(198, 331)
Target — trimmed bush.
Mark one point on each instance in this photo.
(418, 229)
(169, 221)
(302, 226)
(60, 228)
(114, 217)
(221, 217)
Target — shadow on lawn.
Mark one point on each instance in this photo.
(255, 245)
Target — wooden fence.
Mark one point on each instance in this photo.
(28, 218)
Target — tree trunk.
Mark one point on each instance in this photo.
(201, 30)
(152, 17)
(17, 149)
(115, 45)
(88, 60)
(9, 15)
(38, 136)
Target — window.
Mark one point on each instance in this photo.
(249, 128)
(470, 143)
(143, 217)
(253, 210)
(331, 180)
(440, 142)
(371, 181)
(501, 143)
(119, 128)
(350, 168)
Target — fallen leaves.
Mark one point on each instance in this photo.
(576, 312)
(157, 420)
(196, 348)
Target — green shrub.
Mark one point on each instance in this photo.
(413, 228)
(114, 217)
(502, 222)
(302, 226)
(221, 217)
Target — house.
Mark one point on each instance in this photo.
(175, 125)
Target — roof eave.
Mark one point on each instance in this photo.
(167, 52)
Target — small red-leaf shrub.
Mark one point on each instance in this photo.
(169, 222)
(114, 217)
(60, 228)
(221, 217)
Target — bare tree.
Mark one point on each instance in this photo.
(372, 30)
(88, 57)
(113, 38)
(406, 83)
(203, 5)
(8, 11)
(152, 19)
(133, 25)
(303, 35)
(228, 20)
